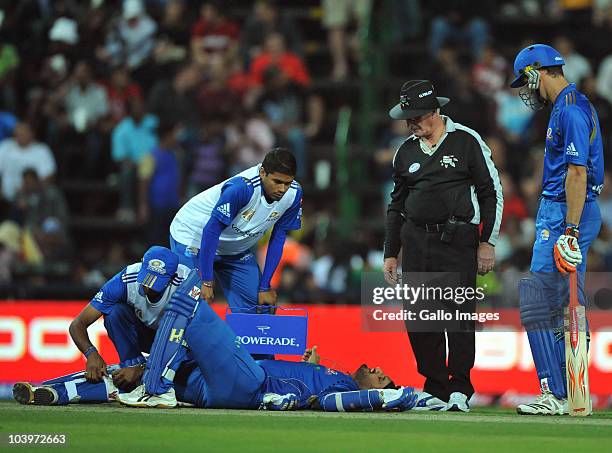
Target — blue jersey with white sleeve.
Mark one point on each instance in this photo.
(573, 137)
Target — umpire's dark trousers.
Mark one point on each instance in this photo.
(424, 252)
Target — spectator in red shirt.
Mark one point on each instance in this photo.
(239, 79)
(213, 33)
(276, 54)
(120, 89)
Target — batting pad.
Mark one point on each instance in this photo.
(546, 344)
(168, 349)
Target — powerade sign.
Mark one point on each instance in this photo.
(270, 334)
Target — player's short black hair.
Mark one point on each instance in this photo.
(280, 160)
(555, 71)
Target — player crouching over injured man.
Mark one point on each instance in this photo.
(195, 356)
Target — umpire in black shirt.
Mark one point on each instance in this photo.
(445, 186)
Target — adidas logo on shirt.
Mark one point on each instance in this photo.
(571, 150)
(224, 209)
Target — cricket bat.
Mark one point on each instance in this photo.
(576, 357)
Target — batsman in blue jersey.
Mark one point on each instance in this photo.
(568, 219)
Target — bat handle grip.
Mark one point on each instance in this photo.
(573, 294)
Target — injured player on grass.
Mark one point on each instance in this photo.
(374, 390)
(196, 358)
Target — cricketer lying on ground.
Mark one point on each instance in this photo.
(211, 369)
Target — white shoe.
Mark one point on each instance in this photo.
(140, 398)
(544, 404)
(457, 402)
(428, 402)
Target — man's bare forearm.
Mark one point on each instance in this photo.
(575, 193)
(78, 332)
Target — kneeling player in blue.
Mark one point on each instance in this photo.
(217, 230)
(568, 219)
(131, 303)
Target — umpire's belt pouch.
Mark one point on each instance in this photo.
(283, 333)
(449, 231)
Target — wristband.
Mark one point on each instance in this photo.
(571, 230)
(263, 290)
(208, 284)
(89, 351)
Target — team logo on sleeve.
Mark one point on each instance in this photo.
(224, 209)
(549, 134)
(571, 150)
(544, 235)
(98, 296)
(448, 161)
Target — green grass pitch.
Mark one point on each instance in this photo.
(111, 427)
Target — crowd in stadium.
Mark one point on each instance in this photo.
(114, 113)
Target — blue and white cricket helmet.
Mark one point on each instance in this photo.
(159, 264)
(535, 56)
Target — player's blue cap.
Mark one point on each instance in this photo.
(535, 56)
(158, 266)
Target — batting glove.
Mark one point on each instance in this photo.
(567, 251)
(401, 399)
(533, 79)
(276, 402)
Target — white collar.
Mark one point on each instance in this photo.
(449, 126)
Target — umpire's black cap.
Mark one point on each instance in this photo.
(417, 97)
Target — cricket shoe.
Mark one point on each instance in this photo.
(26, 393)
(428, 402)
(458, 402)
(140, 398)
(23, 393)
(544, 404)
